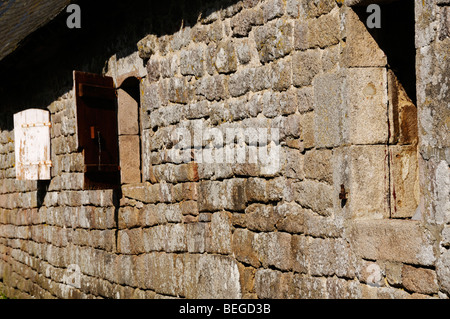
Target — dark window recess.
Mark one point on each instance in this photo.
(96, 102)
(396, 38)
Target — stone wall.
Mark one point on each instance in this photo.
(348, 212)
(433, 44)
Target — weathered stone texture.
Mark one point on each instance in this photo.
(368, 168)
(361, 185)
(419, 280)
(211, 275)
(274, 249)
(305, 66)
(272, 284)
(404, 181)
(393, 240)
(242, 23)
(366, 98)
(191, 62)
(329, 257)
(361, 49)
(229, 194)
(225, 58)
(130, 159)
(322, 32)
(329, 110)
(273, 40)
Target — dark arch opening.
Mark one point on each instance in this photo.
(396, 38)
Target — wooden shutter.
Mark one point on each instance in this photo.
(32, 144)
(97, 129)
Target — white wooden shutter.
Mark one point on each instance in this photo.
(32, 144)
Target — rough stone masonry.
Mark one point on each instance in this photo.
(359, 207)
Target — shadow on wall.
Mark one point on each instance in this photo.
(396, 38)
(40, 70)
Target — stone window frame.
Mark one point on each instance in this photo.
(402, 123)
(129, 124)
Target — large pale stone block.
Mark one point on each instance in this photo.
(274, 249)
(419, 280)
(128, 217)
(319, 226)
(210, 276)
(243, 249)
(329, 257)
(217, 195)
(281, 75)
(130, 65)
(366, 98)
(293, 163)
(403, 241)
(404, 180)
(273, 9)
(309, 287)
(273, 284)
(164, 273)
(220, 239)
(343, 289)
(329, 102)
(130, 159)
(260, 217)
(176, 173)
(432, 100)
(144, 192)
(290, 217)
(178, 90)
(130, 241)
(196, 234)
(314, 195)
(299, 253)
(368, 178)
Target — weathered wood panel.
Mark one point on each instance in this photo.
(32, 144)
(97, 129)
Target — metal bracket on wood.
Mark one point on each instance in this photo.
(45, 163)
(37, 125)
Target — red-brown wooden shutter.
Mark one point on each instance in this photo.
(96, 102)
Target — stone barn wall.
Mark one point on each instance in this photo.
(355, 203)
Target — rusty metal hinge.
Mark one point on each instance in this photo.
(37, 125)
(43, 163)
(343, 194)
